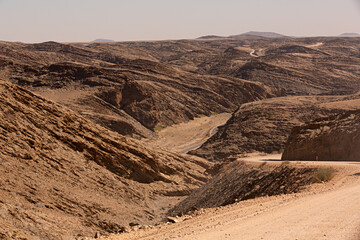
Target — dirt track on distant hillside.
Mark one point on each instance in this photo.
(324, 211)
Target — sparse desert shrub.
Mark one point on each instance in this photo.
(324, 174)
(285, 163)
(200, 115)
(158, 128)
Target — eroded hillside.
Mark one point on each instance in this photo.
(264, 126)
(300, 66)
(124, 88)
(136, 87)
(62, 175)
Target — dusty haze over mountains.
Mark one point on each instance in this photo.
(83, 20)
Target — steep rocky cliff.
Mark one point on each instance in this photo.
(333, 138)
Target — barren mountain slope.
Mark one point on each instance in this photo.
(135, 87)
(124, 88)
(264, 126)
(331, 138)
(301, 66)
(62, 175)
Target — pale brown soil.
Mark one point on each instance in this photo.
(322, 211)
(187, 136)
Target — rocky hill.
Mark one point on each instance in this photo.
(122, 87)
(63, 176)
(301, 66)
(136, 87)
(241, 181)
(209, 37)
(332, 138)
(264, 126)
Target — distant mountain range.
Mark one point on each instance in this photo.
(248, 34)
(102, 40)
(261, 34)
(350, 35)
(210, 37)
(266, 35)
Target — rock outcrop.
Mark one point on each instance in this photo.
(264, 126)
(332, 138)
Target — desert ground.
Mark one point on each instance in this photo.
(241, 137)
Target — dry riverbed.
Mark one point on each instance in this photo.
(188, 136)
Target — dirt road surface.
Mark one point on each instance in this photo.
(324, 211)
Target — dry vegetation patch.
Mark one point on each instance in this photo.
(324, 174)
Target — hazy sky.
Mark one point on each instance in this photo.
(86, 20)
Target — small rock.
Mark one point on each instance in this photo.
(122, 229)
(97, 235)
(135, 228)
(172, 219)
